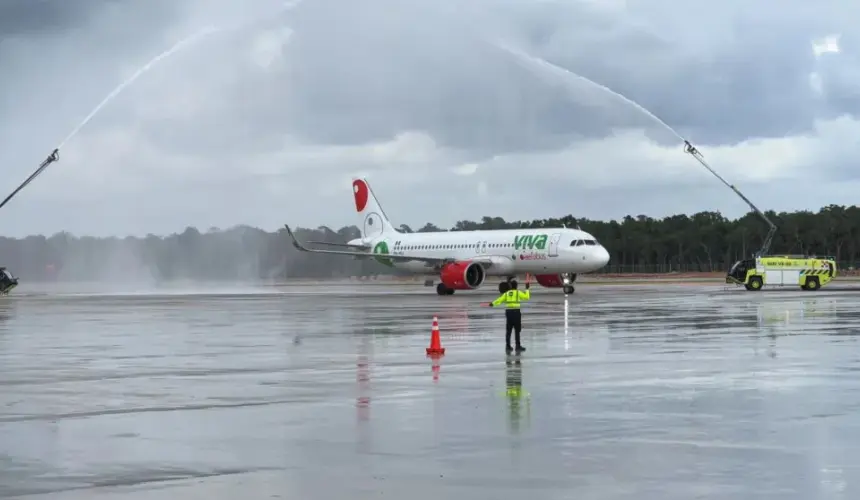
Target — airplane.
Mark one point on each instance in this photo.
(464, 259)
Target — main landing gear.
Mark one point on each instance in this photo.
(504, 286)
(568, 280)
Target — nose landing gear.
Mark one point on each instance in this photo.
(568, 279)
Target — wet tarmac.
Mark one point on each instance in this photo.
(656, 391)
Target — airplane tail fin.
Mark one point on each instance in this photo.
(372, 219)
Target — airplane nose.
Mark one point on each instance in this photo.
(602, 257)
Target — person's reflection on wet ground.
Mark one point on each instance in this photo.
(517, 397)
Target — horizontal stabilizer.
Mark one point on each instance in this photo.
(341, 245)
(431, 262)
(303, 248)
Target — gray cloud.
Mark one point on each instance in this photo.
(265, 124)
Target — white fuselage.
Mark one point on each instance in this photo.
(512, 251)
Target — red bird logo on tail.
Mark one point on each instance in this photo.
(361, 193)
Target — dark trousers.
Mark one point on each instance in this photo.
(513, 321)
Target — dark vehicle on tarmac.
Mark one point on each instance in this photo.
(7, 281)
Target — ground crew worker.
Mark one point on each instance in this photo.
(513, 315)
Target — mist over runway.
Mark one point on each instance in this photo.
(658, 391)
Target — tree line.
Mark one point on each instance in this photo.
(702, 242)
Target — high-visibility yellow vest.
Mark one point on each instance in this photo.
(512, 298)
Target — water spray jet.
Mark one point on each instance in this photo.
(7, 280)
(688, 147)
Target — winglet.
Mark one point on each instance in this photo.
(295, 240)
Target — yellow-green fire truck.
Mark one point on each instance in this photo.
(809, 273)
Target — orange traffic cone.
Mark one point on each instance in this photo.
(435, 342)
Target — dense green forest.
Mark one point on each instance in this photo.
(705, 241)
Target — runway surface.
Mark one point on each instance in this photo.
(313, 392)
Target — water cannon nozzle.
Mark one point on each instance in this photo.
(689, 148)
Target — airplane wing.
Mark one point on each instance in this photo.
(429, 260)
(341, 245)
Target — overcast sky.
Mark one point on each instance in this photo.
(264, 120)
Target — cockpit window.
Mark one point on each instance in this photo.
(590, 242)
(579, 243)
(576, 243)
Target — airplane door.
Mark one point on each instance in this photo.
(553, 244)
(478, 247)
(484, 247)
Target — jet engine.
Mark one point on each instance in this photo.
(550, 280)
(462, 275)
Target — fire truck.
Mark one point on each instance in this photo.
(808, 273)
